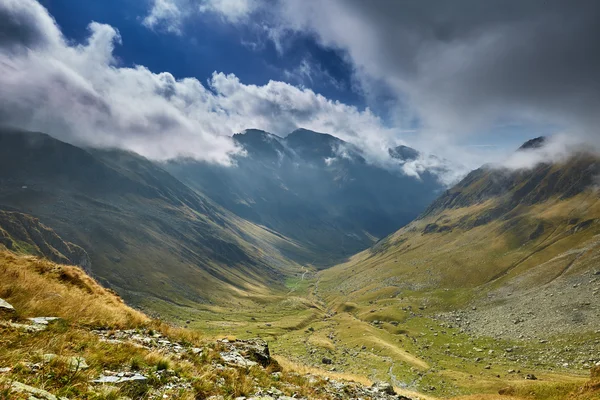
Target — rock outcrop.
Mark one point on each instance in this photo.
(22, 232)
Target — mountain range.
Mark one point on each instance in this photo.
(315, 189)
(335, 260)
(186, 233)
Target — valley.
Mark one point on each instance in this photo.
(492, 291)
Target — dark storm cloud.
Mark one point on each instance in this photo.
(21, 27)
(461, 69)
(467, 62)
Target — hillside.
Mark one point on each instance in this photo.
(492, 291)
(524, 241)
(148, 236)
(64, 336)
(23, 233)
(314, 188)
(495, 283)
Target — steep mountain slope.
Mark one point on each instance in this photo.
(22, 232)
(494, 286)
(149, 236)
(521, 242)
(314, 188)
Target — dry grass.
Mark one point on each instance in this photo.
(37, 287)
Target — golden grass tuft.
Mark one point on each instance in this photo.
(37, 287)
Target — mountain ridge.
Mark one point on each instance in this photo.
(314, 188)
(137, 221)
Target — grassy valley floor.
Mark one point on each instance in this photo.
(420, 349)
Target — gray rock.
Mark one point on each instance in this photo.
(235, 359)
(384, 387)
(77, 363)
(43, 320)
(120, 378)
(34, 392)
(256, 350)
(327, 360)
(29, 328)
(6, 308)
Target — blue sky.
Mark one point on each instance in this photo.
(168, 78)
(209, 44)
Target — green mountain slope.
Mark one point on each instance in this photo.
(494, 289)
(149, 236)
(519, 242)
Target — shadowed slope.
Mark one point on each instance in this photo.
(148, 235)
(314, 188)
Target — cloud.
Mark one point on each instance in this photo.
(557, 148)
(80, 93)
(466, 64)
(164, 14)
(170, 15)
(460, 67)
(232, 10)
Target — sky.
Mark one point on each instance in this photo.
(466, 80)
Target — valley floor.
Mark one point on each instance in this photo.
(423, 351)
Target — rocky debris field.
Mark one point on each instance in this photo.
(164, 381)
(240, 354)
(565, 306)
(555, 326)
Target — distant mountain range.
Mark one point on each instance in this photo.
(314, 188)
(190, 233)
(148, 235)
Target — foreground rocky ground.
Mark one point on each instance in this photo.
(263, 377)
(69, 338)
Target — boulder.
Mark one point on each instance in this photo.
(256, 350)
(6, 309)
(384, 387)
(77, 363)
(34, 392)
(43, 320)
(120, 378)
(235, 359)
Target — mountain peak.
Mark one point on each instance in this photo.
(404, 153)
(259, 142)
(256, 133)
(302, 134)
(311, 144)
(535, 143)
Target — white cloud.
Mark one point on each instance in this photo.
(79, 93)
(166, 14)
(170, 15)
(557, 148)
(232, 10)
(458, 68)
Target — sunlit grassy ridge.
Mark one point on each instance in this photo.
(37, 287)
(515, 253)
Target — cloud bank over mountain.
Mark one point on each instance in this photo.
(80, 93)
(459, 67)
